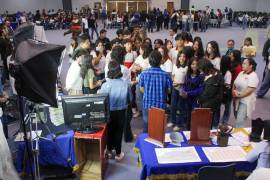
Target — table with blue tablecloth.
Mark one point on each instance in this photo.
(153, 170)
(59, 152)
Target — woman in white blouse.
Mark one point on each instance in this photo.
(244, 92)
(213, 54)
(166, 63)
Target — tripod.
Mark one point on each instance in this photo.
(31, 120)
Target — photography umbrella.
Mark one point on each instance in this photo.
(35, 72)
(23, 32)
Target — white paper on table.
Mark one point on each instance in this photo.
(225, 154)
(168, 138)
(187, 134)
(177, 155)
(241, 137)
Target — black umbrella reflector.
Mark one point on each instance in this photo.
(36, 67)
(22, 33)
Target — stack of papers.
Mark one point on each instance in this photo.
(177, 155)
(225, 154)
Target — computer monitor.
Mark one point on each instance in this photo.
(82, 112)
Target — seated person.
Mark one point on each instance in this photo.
(261, 152)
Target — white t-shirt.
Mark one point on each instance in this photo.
(74, 80)
(130, 57)
(184, 18)
(244, 81)
(85, 22)
(125, 71)
(228, 77)
(179, 74)
(167, 66)
(173, 53)
(144, 63)
(216, 62)
(100, 67)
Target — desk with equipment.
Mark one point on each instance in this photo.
(87, 116)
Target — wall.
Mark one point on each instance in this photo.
(236, 5)
(81, 3)
(29, 5)
(162, 4)
(263, 6)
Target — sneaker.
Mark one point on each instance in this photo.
(176, 128)
(108, 154)
(137, 114)
(170, 125)
(120, 156)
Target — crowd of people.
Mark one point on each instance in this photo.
(177, 74)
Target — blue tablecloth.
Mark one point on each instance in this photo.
(61, 152)
(151, 167)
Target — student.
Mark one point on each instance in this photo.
(198, 49)
(230, 46)
(154, 84)
(178, 75)
(90, 83)
(192, 88)
(119, 94)
(99, 62)
(248, 50)
(236, 65)
(166, 63)
(213, 90)
(140, 65)
(180, 44)
(131, 55)
(212, 53)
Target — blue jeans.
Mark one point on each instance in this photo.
(244, 24)
(139, 98)
(265, 84)
(178, 103)
(145, 120)
(241, 115)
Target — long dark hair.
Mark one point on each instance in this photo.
(215, 47)
(146, 50)
(237, 59)
(200, 52)
(190, 71)
(86, 64)
(225, 65)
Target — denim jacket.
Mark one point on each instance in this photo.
(119, 93)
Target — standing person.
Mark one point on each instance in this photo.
(245, 21)
(92, 23)
(236, 64)
(180, 44)
(213, 90)
(196, 21)
(204, 21)
(141, 64)
(166, 17)
(119, 94)
(230, 46)
(244, 92)
(248, 50)
(173, 34)
(178, 75)
(103, 17)
(219, 17)
(198, 49)
(85, 25)
(266, 55)
(212, 53)
(90, 83)
(192, 88)
(154, 84)
(103, 39)
(166, 63)
(185, 22)
(225, 67)
(99, 62)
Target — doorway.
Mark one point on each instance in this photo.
(170, 6)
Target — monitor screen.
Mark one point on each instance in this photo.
(85, 110)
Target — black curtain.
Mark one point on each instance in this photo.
(185, 4)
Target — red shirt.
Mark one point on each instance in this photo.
(235, 72)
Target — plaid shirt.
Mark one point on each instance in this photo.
(155, 83)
